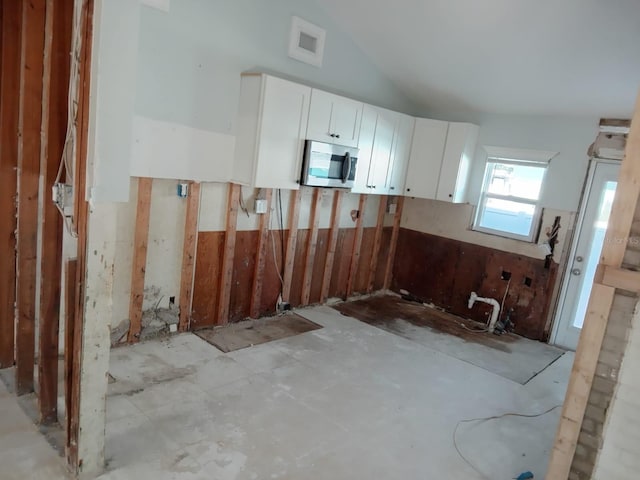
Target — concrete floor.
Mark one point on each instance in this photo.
(349, 401)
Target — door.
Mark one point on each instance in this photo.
(585, 252)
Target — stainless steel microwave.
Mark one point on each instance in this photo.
(328, 165)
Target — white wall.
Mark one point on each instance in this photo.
(167, 83)
(570, 137)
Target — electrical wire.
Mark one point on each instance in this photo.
(243, 207)
(484, 419)
(282, 247)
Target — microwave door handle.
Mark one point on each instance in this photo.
(346, 167)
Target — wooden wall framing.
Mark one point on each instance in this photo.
(312, 243)
(226, 275)
(189, 250)
(373, 265)
(139, 263)
(29, 145)
(331, 248)
(357, 243)
(261, 257)
(609, 275)
(10, 48)
(394, 243)
(292, 239)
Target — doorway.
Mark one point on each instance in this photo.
(585, 251)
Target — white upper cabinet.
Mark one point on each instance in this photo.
(378, 135)
(400, 154)
(334, 119)
(427, 149)
(456, 162)
(272, 122)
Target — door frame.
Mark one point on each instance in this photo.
(575, 234)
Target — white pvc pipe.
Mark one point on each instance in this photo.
(491, 301)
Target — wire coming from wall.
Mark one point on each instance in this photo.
(70, 141)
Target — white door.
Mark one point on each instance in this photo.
(585, 252)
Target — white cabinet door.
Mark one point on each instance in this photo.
(456, 162)
(400, 154)
(334, 119)
(377, 133)
(427, 148)
(381, 161)
(272, 121)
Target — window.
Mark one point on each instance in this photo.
(509, 203)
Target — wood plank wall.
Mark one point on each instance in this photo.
(318, 262)
(445, 271)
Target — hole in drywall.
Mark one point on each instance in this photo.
(527, 281)
(172, 300)
(505, 275)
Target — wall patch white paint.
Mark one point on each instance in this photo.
(170, 150)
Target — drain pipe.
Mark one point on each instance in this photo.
(473, 298)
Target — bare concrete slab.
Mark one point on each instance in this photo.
(510, 356)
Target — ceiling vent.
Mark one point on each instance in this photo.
(306, 42)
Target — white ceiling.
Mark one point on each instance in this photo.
(567, 57)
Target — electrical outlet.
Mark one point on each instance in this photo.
(392, 208)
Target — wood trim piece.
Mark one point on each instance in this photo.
(333, 242)
(81, 209)
(54, 128)
(229, 252)
(189, 250)
(261, 257)
(312, 243)
(388, 271)
(139, 262)
(357, 243)
(31, 89)
(292, 240)
(9, 112)
(599, 308)
(377, 241)
(621, 278)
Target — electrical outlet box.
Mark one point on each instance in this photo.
(183, 190)
(62, 196)
(392, 208)
(261, 206)
(173, 328)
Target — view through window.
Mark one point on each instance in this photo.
(509, 203)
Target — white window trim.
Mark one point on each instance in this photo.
(512, 156)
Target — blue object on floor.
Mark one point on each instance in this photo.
(525, 476)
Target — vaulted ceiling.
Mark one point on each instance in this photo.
(551, 57)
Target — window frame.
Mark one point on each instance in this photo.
(534, 230)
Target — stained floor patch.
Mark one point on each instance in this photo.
(255, 332)
(510, 356)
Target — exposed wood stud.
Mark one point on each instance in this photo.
(189, 251)
(30, 119)
(70, 315)
(599, 307)
(292, 240)
(139, 262)
(54, 127)
(261, 257)
(229, 250)
(331, 248)
(81, 214)
(388, 271)
(312, 243)
(357, 243)
(373, 265)
(10, 46)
